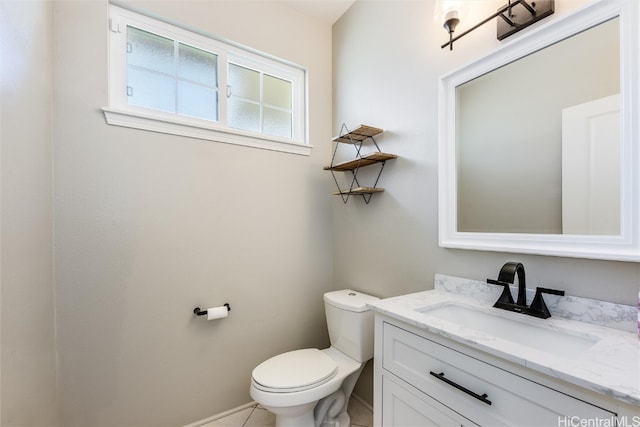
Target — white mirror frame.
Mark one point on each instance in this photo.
(623, 247)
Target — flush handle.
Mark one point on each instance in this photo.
(480, 397)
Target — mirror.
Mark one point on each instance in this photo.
(539, 141)
(509, 136)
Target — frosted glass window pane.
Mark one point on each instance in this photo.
(277, 92)
(277, 122)
(151, 90)
(197, 101)
(244, 82)
(244, 115)
(197, 65)
(150, 51)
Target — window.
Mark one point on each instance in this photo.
(167, 79)
(259, 102)
(166, 75)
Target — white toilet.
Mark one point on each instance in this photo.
(311, 387)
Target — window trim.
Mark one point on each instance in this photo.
(120, 113)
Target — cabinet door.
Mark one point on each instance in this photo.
(403, 406)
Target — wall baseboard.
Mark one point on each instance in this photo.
(362, 401)
(250, 404)
(220, 415)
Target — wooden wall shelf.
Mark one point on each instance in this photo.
(358, 135)
(360, 191)
(356, 138)
(366, 160)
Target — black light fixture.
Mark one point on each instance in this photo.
(512, 17)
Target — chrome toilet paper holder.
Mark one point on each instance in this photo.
(199, 312)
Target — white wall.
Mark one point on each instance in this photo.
(150, 225)
(28, 375)
(387, 61)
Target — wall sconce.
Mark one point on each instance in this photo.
(450, 11)
(513, 17)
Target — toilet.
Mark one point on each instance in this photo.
(312, 387)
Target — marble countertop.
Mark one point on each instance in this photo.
(611, 366)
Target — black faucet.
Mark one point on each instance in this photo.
(506, 278)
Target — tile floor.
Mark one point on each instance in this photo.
(257, 416)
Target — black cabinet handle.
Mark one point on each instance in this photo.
(482, 398)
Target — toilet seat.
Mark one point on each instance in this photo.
(294, 371)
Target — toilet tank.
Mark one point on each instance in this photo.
(350, 323)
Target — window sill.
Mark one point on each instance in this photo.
(195, 129)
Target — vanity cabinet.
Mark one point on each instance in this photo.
(422, 379)
(405, 406)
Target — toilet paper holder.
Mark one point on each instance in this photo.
(199, 312)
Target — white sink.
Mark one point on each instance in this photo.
(553, 341)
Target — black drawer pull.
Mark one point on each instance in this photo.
(482, 398)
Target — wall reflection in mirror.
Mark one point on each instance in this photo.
(538, 141)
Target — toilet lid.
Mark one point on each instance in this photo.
(295, 371)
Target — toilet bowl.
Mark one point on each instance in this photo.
(312, 387)
(312, 375)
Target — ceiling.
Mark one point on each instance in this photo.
(328, 11)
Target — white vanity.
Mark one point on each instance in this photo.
(446, 357)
